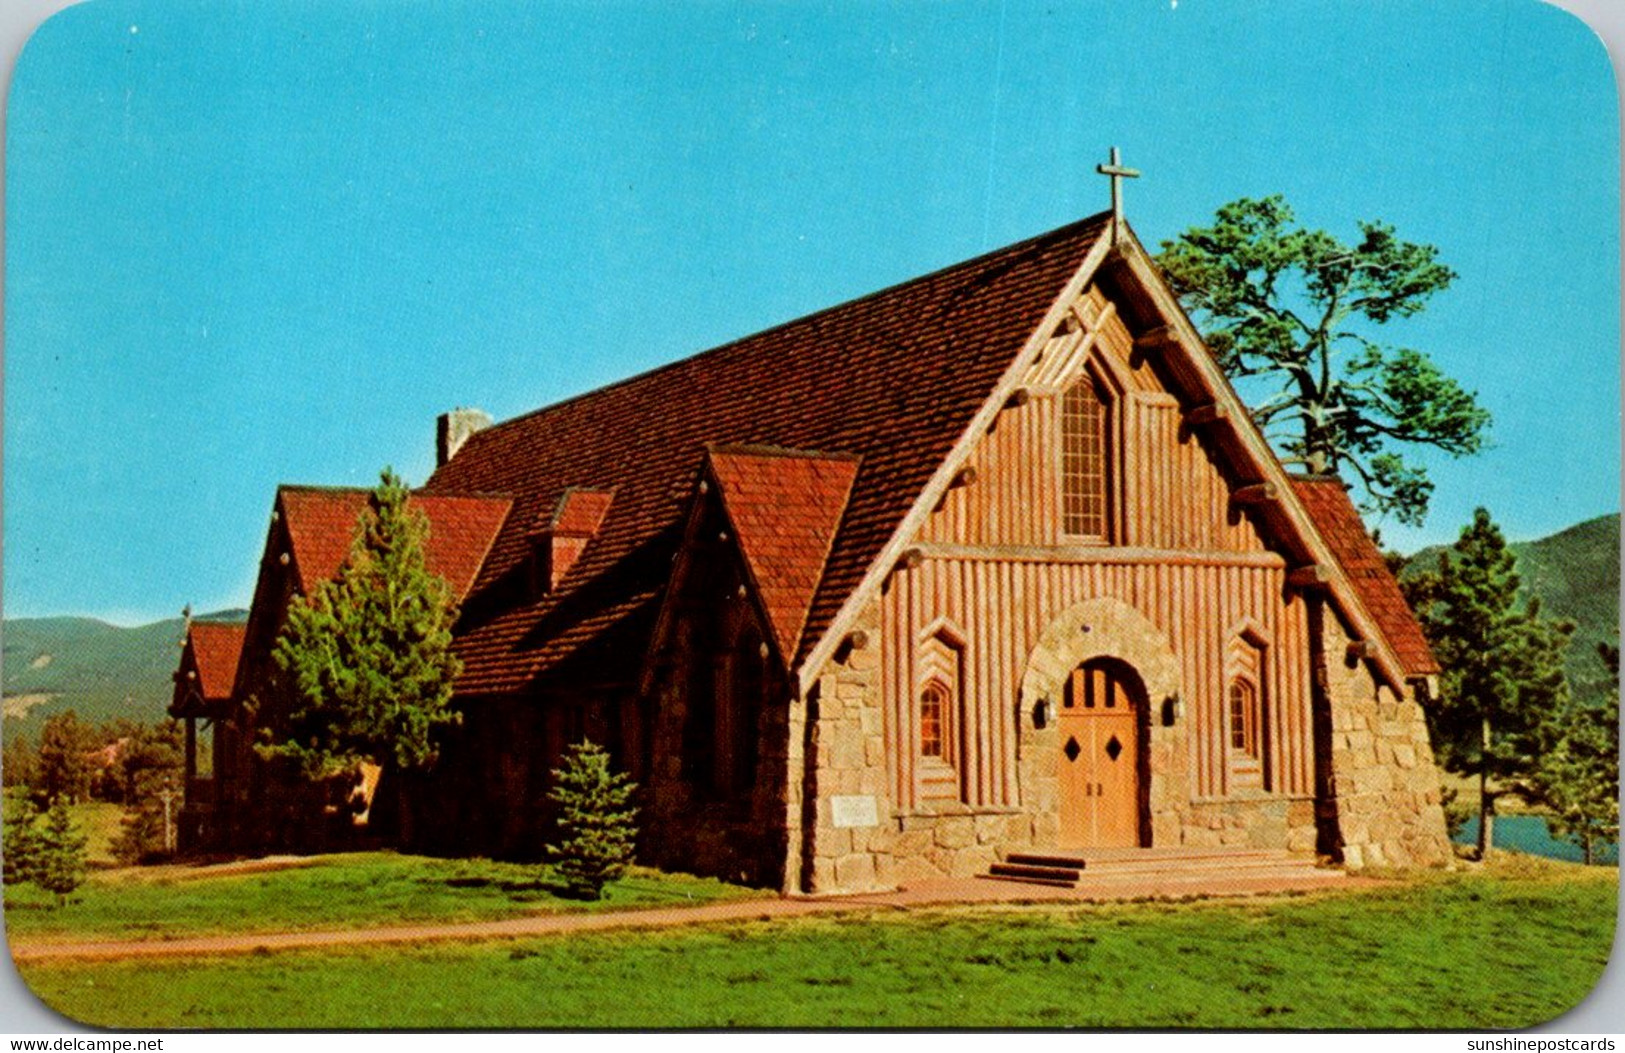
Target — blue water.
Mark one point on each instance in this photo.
(1528, 833)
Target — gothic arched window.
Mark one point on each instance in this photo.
(1085, 462)
(934, 706)
(1244, 718)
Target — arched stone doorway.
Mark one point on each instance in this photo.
(1126, 653)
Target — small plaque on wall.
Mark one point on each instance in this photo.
(853, 811)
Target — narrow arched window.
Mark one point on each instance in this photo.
(934, 721)
(1244, 718)
(1085, 475)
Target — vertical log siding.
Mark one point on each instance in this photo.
(998, 565)
(1199, 607)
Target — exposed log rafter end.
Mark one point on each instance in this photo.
(1207, 413)
(1255, 494)
(1313, 575)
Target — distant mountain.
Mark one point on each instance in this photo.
(1575, 572)
(101, 671)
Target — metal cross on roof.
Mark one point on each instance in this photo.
(1117, 173)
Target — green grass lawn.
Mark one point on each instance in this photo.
(339, 891)
(1512, 946)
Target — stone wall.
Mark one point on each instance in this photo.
(1383, 780)
(848, 836)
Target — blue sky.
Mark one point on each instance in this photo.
(249, 243)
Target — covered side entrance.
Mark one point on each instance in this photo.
(1102, 777)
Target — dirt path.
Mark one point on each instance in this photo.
(926, 894)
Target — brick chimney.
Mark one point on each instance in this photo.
(453, 429)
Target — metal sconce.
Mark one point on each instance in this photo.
(1173, 711)
(1043, 711)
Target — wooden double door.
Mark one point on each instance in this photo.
(1101, 764)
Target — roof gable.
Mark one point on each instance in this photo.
(895, 378)
(216, 647)
(785, 507)
(321, 524)
(1327, 501)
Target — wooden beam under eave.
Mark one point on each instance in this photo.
(1156, 341)
(1255, 494)
(964, 477)
(1359, 650)
(1313, 575)
(1207, 413)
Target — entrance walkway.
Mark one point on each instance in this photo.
(942, 892)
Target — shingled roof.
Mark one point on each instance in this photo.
(1327, 501)
(887, 384)
(785, 507)
(894, 377)
(321, 524)
(216, 647)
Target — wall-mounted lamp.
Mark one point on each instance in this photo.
(1173, 711)
(1043, 711)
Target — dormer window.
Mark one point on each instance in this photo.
(1085, 466)
(563, 536)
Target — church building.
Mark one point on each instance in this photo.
(989, 563)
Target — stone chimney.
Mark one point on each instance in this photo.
(453, 429)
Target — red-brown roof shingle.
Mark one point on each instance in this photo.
(216, 647)
(1327, 501)
(322, 521)
(785, 507)
(894, 377)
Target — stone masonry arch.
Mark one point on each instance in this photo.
(1103, 627)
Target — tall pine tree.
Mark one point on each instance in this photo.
(1293, 314)
(64, 759)
(1503, 686)
(366, 660)
(1578, 777)
(152, 772)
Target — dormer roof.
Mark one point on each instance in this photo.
(785, 507)
(321, 524)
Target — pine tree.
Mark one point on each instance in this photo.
(366, 660)
(19, 762)
(597, 821)
(60, 862)
(1578, 778)
(21, 844)
(1503, 681)
(1289, 312)
(151, 769)
(64, 763)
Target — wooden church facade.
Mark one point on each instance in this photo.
(989, 562)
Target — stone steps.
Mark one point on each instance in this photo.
(1107, 868)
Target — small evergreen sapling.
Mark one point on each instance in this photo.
(60, 863)
(597, 821)
(21, 846)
